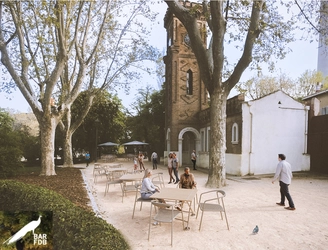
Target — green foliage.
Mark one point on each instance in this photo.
(68, 46)
(147, 120)
(106, 115)
(73, 227)
(305, 85)
(10, 145)
(31, 146)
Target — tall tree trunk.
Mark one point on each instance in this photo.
(217, 171)
(67, 150)
(67, 147)
(47, 129)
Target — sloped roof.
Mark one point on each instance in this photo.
(316, 94)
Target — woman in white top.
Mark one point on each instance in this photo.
(169, 167)
(147, 187)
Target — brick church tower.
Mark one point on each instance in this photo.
(185, 93)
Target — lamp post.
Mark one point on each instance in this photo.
(96, 151)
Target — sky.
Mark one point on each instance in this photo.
(303, 57)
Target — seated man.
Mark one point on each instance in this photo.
(187, 181)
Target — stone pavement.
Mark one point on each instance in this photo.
(250, 201)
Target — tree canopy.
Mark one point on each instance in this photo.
(53, 50)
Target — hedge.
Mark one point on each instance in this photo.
(73, 227)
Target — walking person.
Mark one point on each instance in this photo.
(193, 159)
(87, 158)
(175, 166)
(140, 159)
(154, 159)
(135, 163)
(284, 173)
(169, 167)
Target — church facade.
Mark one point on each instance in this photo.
(256, 131)
(185, 93)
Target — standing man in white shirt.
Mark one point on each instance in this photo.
(193, 159)
(284, 173)
(154, 159)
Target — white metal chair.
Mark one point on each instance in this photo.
(98, 170)
(112, 179)
(158, 179)
(128, 187)
(139, 199)
(213, 203)
(165, 213)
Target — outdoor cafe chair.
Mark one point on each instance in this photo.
(212, 201)
(128, 187)
(98, 170)
(112, 179)
(165, 213)
(158, 179)
(139, 199)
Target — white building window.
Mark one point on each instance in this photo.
(208, 140)
(324, 111)
(189, 83)
(234, 139)
(202, 138)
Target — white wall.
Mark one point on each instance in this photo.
(233, 163)
(203, 159)
(270, 128)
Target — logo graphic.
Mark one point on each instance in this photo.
(22, 232)
(26, 229)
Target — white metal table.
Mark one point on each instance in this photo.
(178, 195)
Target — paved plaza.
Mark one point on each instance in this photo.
(249, 201)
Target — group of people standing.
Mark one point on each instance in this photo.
(140, 159)
(173, 168)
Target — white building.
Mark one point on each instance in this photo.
(259, 130)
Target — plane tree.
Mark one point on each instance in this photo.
(305, 85)
(256, 30)
(117, 62)
(145, 119)
(54, 49)
(105, 122)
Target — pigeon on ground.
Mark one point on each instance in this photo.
(256, 230)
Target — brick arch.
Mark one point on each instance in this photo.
(180, 139)
(193, 130)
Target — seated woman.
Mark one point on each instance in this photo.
(147, 187)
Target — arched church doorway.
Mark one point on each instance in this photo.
(188, 145)
(189, 139)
